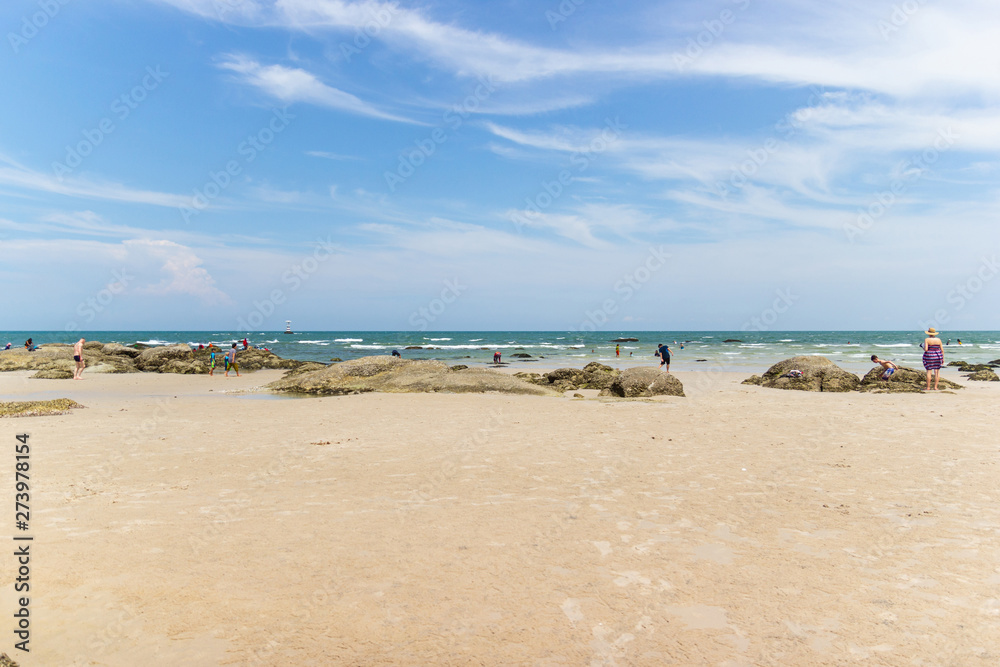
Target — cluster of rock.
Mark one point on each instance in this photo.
(392, 374)
(56, 361)
(642, 382)
(821, 374)
(818, 374)
(978, 372)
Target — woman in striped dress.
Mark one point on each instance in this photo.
(933, 357)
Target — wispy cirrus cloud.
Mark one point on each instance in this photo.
(290, 85)
(20, 177)
(853, 44)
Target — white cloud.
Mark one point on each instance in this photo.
(181, 270)
(935, 49)
(23, 178)
(291, 85)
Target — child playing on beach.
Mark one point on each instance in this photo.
(663, 352)
(888, 368)
(211, 363)
(231, 361)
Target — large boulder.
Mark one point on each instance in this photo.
(988, 375)
(643, 382)
(392, 374)
(305, 367)
(593, 376)
(903, 380)
(818, 374)
(119, 350)
(153, 359)
(47, 358)
(182, 367)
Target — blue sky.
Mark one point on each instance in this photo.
(229, 164)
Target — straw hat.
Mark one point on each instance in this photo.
(931, 332)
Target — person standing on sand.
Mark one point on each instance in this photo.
(211, 363)
(933, 357)
(231, 361)
(618, 350)
(78, 358)
(663, 352)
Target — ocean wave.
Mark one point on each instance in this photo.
(347, 340)
(155, 342)
(312, 342)
(893, 345)
(355, 346)
(787, 340)
(437, 339)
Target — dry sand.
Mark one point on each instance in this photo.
(175, 525)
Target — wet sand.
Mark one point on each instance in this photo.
(737, 526)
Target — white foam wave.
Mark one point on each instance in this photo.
(348, 340)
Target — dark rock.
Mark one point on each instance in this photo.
(904, 380)
(988, 375)
(336, 359)
(93, 345)
(458, 367)
(625, 340)
(701, 359)
(521, 355)
(645, 382)
(732, 340)
(754, 379)
(413, 347)
(957, 363)
(974, 368)
(577, 395)
(818, 374)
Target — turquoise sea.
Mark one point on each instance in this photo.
(751, 351)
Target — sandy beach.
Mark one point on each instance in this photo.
(174, 524)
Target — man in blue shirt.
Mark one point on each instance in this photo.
(663, 352)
